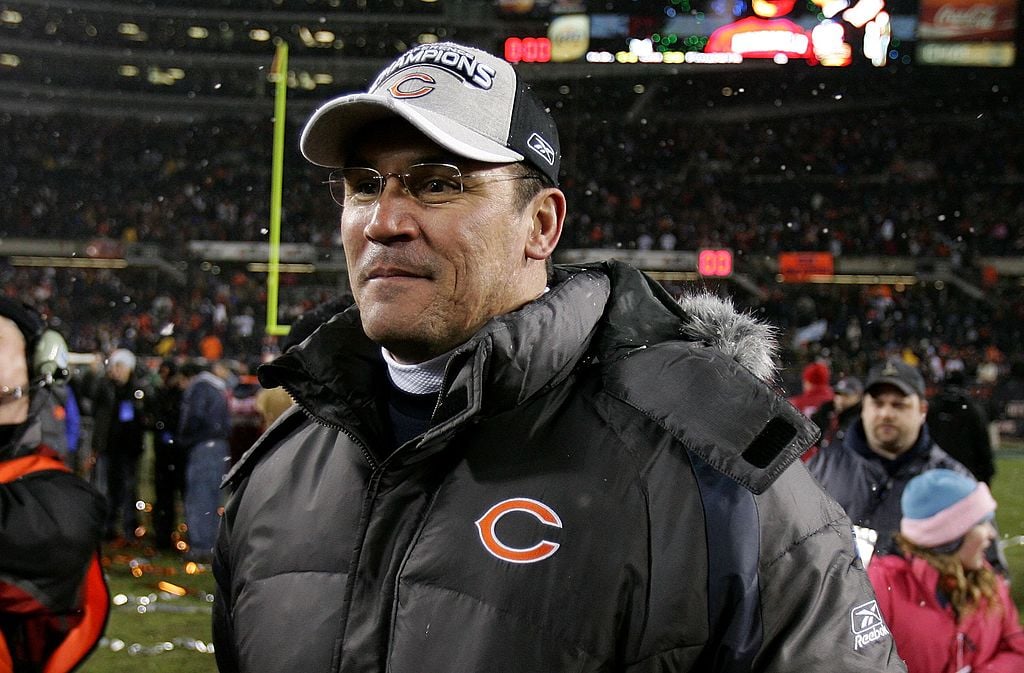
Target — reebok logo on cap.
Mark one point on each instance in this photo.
(542, 147)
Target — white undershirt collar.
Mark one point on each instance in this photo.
(419, 379)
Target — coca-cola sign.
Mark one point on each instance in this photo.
(964, 20)
(975, 18)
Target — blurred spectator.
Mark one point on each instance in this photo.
(59, 416)
(947, 609)
(959, 424)
(203, 432)
(816, 390)
(246, 418)
(272, 402)
(211, 348)
(53, 598)
(835, 415)
(118, 427)
(168, 454)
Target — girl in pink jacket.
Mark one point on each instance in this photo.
(949, 612)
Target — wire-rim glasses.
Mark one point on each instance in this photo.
(428, 183)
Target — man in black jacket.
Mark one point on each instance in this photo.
(119, 423)
(495, 465)
(53, 598)
(959, 425)
(168, 454)
(882, 451)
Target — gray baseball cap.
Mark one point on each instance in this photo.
(848, 385)
(897, 373)
(466, 100)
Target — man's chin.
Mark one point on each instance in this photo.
(402, 333)
(408, 349)
(890, 448)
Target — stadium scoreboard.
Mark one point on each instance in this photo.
(825, 33)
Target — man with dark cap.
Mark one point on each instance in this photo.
(834, 416)
(53, 598)
(881, 452)
(498, 464)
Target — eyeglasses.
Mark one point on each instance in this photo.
(9, 394)
(430, 184)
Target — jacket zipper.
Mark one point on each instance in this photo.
(363, 448)
(960, 668)
(371, 490)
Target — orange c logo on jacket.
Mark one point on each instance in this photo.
(400, 89)
(538, 552)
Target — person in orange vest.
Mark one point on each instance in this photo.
(54, 600)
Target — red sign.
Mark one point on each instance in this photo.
(755, 37)
(798, 266)
(968, 20)
(717, 263)
(528, 49)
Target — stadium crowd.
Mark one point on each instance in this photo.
(895, 182)
(929, 182)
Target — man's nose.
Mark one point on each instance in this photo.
(883, 410)
(392, 216)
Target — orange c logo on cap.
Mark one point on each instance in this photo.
(538, 552)
(400, 89)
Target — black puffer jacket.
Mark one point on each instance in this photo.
(868, 486)
(599, 490)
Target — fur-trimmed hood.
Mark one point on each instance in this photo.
(714, 321)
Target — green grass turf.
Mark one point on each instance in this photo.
(1009, 494)
(152, 630)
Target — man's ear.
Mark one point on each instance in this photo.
(547, 212)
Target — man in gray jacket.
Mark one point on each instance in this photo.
(497, 465)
